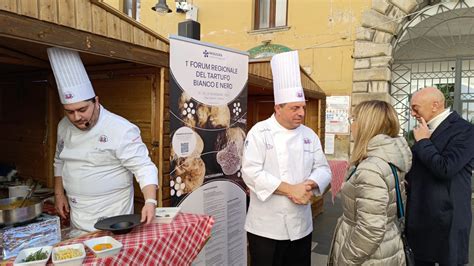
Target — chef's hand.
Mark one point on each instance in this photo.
(299, 194)
(148, 213)
(421, 131)
(310, 185)
(61, 204)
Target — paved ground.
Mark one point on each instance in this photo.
(324, 226)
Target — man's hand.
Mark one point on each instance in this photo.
(310, 185)
(300, 194)
(421, 131)
(148, 213)
(61, 204)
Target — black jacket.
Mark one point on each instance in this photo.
(438, 219)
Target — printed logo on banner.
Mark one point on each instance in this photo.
(212, 54)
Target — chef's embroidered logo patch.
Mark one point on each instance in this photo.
(306, 141)
(299, 94)
(268, 146)
(73, 200)
(68, 95)
(103, 139)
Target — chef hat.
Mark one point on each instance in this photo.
(286, 78)
(71, 76)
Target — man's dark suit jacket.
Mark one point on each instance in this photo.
(438, 219)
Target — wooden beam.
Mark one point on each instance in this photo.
(17, 58)
(123, 17)
(33, 30)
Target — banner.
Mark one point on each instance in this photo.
(208, 116)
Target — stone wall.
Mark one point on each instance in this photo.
(373, 47)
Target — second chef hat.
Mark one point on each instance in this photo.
(71, 76)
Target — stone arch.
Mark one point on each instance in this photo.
(384, 28)
(375, 40)
(373, 47)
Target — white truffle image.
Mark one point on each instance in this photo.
(219, 116)
(203, 113)
(191, 171)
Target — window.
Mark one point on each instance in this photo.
(132, 8)
(270, 14)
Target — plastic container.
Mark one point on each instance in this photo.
(72, 261)
(26, 252)
(114, 250)
(165, 215)
(18, 191)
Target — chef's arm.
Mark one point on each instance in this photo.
(298, 193)
(320, 173)
(262, 182)
(149, 192)
(60, 200)
(148, 210)
(259, 181)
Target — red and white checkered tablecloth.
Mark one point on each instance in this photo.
(338, 169)
(177, 243)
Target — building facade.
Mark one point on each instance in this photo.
(367, 49)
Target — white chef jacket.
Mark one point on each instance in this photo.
(273, 154)
(97, 167)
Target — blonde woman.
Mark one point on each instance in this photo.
(367, 232)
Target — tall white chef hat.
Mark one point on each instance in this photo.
(71, 76)
(286, 78)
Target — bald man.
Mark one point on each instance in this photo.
(438, 221)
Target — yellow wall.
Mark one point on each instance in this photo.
(323, 31)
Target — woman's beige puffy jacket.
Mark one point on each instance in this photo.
(367, 232)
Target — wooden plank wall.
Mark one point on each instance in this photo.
(24, 123)
(90, 16)
(132, 94)
(166, 143)
(263, 70)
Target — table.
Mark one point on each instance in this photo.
(177, 243)
(338, 169)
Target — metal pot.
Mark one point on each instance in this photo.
(10, 213)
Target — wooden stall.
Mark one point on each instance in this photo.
(261, 104)
(127, 64)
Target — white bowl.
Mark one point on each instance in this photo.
(25, 252)
(116, 246)
(73, 261)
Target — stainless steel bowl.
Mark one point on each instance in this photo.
(10, 213)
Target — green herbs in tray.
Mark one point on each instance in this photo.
(38, 255)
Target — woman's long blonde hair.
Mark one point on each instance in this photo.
(373, 118)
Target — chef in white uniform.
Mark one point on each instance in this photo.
(97, 152)
(283, 166)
